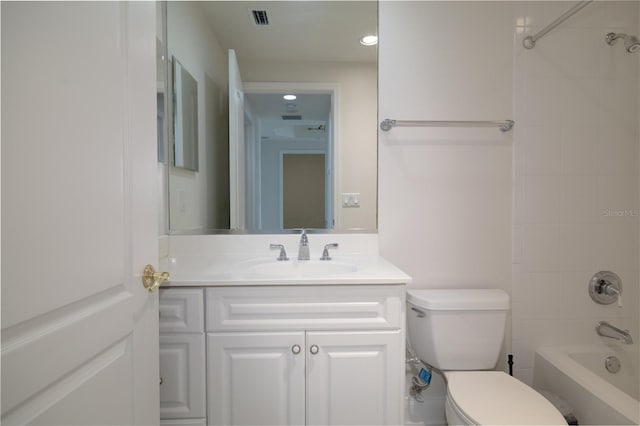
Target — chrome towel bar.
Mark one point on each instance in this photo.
(388, 124)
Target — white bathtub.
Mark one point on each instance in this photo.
(578, 375)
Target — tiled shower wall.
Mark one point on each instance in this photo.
(576, 175)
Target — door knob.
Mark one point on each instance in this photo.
(151, 279)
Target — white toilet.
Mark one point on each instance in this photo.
(461, 332)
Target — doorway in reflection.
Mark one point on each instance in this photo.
(288, 160)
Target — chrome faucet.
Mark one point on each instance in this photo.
(303, 249)
(605, 329)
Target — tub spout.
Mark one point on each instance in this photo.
(605, 329)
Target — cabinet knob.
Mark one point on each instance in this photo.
(295, 349)
(161, 380)
(314, 349)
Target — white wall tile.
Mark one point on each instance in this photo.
(617, 150)
(541, 146)
(541, 295)
(617, 246)
(541, 103)
(618, 199)
(541, 199)
(594, 89)
(575, 293)
(579, 149)
(578, 246)
(580, 55)
(580, 101)
(618, 102)
(541, 247)
(579, 199)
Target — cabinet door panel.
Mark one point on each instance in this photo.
(292, 308)
(182, 392)
(256, 378)
(181, 310)
(354, 378)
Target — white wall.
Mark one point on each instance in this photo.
(445, 195)
(193, 43)
(357, 123)
(576, 159)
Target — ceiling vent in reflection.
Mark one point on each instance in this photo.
(292, 117)
(260, 17)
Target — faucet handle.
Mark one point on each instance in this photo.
(303, 237)
(283, 252)
(325, 252)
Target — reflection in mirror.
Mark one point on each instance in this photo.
(185, 122)
(290, 184)
(253, 161)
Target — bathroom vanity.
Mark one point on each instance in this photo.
(257, 341)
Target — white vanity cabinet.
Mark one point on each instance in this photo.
(182, 357)
(309, 354)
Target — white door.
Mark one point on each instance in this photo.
(256, 378)
(236, 145)
(79, 218)
(354, 378)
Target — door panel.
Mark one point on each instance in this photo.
(79, 336)
(303, 191)
(354, 378)
(237, 173)
(255, 378)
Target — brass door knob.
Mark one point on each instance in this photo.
(151, 279)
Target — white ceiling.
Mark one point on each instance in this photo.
(298, 30)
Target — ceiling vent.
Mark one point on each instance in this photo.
(292, 117)
(260, 17)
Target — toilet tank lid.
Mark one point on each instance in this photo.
(459, 299)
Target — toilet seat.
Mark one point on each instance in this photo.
(495, 398)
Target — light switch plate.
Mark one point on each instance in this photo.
(350, 199)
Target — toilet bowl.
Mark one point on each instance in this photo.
(460, 332)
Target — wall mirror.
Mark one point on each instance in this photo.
(286, 116)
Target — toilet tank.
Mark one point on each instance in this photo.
(457, 329)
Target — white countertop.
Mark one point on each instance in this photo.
(241, 260)
(240, 270)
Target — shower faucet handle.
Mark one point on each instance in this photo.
(605, 288)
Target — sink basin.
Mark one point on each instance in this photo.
(304, 268)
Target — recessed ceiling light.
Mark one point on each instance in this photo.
(289, 97)
(369, 40)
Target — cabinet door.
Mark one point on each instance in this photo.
(256, 378)
(182, 361)
(354, 378)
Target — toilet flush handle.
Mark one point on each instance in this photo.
(420, 313)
